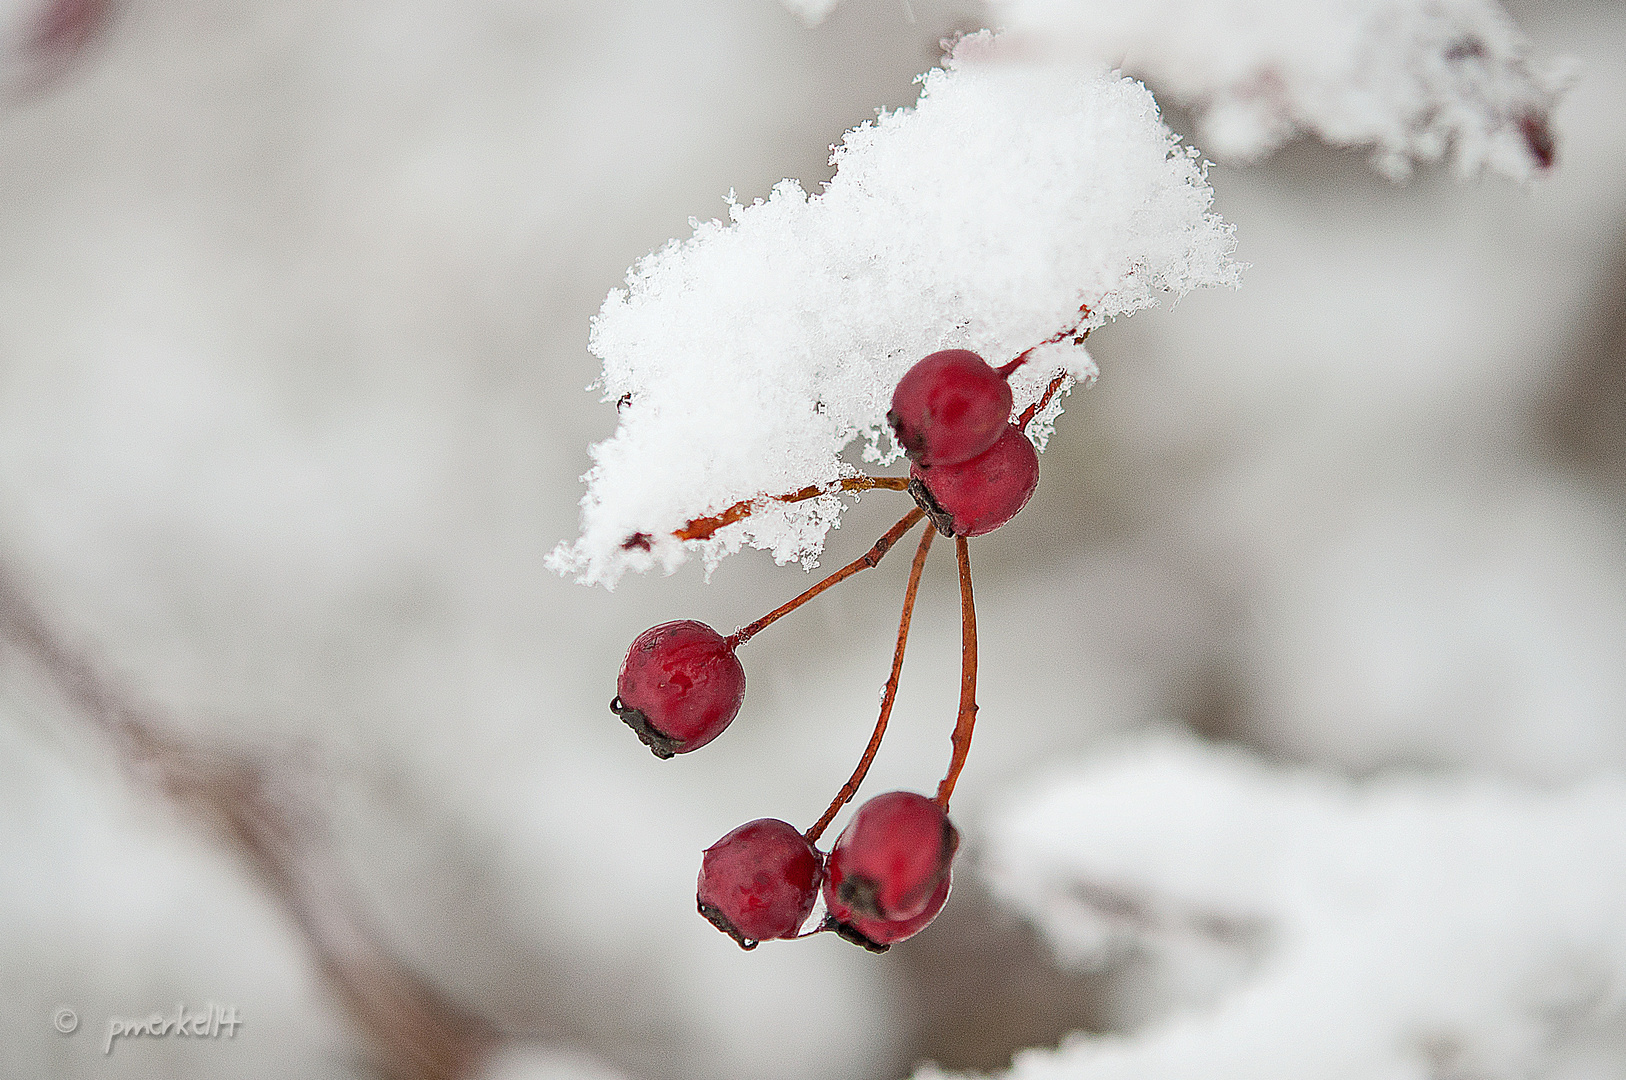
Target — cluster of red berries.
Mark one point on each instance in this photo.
(681, 684)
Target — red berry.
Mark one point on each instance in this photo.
(877, 935)
(759, 882)
(889, 866)
(680, 686)
(949, 407)
(980, 495)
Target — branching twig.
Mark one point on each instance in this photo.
(850, 788)
(863, 562)
(704, 528)
(1054, 339)
(416, 1033)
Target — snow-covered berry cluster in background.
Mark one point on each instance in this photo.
(1418, 81)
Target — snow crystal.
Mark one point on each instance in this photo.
(1019, 200)
(1404, 927)
(1416, 80)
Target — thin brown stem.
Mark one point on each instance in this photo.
(1049, 392)
(1056, 338)
(850, 788)
(705, 527)
(863, 562)
(968, 677)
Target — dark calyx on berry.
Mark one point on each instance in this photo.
(679, 687)
(949, 408)
(978, 496)
(759, 882)
(890, 867)
(879, 935)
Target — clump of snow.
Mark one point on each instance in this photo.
(1416, 80)
(1018, 199)
(1404, 927)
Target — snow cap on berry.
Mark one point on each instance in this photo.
(1021, 200)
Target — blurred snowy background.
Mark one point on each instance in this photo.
(294, 301)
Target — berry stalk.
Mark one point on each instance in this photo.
(850, 788)
(705, 527)
(1057, 338)
(968, 677)
(863, 562)
(1049, 392)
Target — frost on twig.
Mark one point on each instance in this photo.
(1017, 200)
(1418, 81)
(1403, 927)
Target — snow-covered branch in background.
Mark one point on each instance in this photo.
(1019, 199)
(1405, 927)
(1418, 81)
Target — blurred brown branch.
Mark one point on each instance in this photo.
(256, 806)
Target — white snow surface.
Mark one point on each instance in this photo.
(746, 359)
(1418, 81)
(1402, 927)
